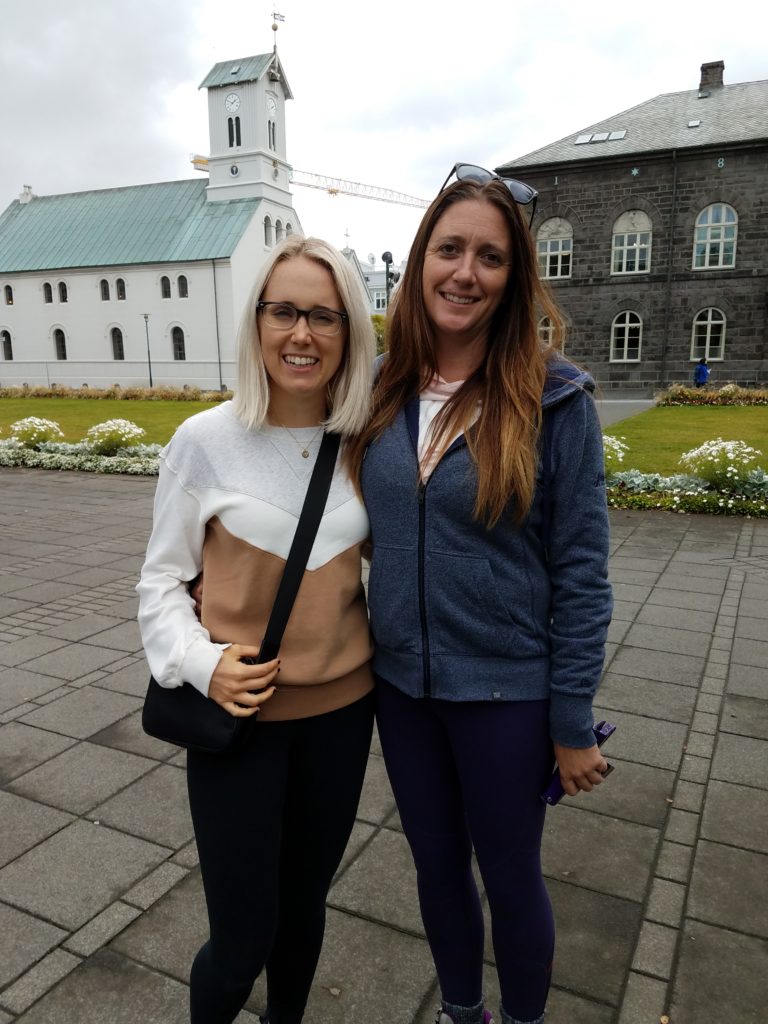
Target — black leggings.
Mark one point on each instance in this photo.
(272, 819)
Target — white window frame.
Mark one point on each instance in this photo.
(631, 242)
(621, 327)
(712, 238)
(708, 318)
(554, 249)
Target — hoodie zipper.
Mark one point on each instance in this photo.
(427, 676)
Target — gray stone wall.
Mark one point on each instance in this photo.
(672, 190)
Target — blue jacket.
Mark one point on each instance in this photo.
(461, 612)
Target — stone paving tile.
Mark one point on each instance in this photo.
(53, 570)
(597, 852)
(674, 861)
(46, 592)
(13, 605)
(17, 685)
(155, 807)
(38, 980)
(736, 816)
(83, 626)
(83, 712)
(746, 716)
(626, 610)
(25, 824)
(630, 592)
(94, 576)
(655, 950)
(100, 929)
(362, 833)
(713, 896)
(72, 661)
(677, 618)
(706, 990)
(151, 888)
(132, 679)
(748, 680)
(742, 760)
(674, 580)
(666, 902)
(674, 641)
(750, 652)
(22, 651)
(698, 568)
(22, 748)
(647, 697)
(124, 637)
(376, 801)
(634, 792)
(23, 941)
(11, 583)
(77, 872)
(81, 777)
(127, 734)
(666, 667)
(645, 999)
(647, 741)
(684, 600)
(756, 608)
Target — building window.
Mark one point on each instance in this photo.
(8, 295)
(5, 337)
(61, 343)
(545, 330)
(47, 292)
(267, 231)
(554, 247)
(183, 287)
(120, 289)
(279, 234)
(165, 287)
(179, 349)
(708, 338)
(118, 351)
(714, 240)
(62, 292)
(380, 299)
(626, 337)
(233, 131)
(288, 229)
(631, 249)
(104, 285)
(272, 134)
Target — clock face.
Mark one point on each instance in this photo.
(232, 102)
(271, 105)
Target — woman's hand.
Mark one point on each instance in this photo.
(580, 769)
(233, 682)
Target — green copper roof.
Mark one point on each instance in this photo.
(247, 69)
(170, 222)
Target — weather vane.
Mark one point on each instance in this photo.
(275, 18)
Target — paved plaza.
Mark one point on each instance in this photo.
(658, 879)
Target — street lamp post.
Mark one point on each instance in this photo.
(149, 357)
(390, 277)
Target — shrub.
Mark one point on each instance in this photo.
(109, 437)
(614, 450)
(33, 431)
(723, 464)
(728, 394)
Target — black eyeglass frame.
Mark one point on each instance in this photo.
(261, 307)
(521, 192)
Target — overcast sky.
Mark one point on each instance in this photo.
(96, 94)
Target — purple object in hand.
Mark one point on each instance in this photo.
(554, 791)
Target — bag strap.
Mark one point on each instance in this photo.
(304, 538)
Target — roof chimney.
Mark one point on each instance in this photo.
(711, 77)
(27, 194)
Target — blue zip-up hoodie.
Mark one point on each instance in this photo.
(461, 612)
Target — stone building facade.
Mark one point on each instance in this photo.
(652, 231)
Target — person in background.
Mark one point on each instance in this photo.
(273, 815)
(482, 473)
(701, 373)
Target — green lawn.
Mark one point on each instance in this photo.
(76, 415)
(659, 437)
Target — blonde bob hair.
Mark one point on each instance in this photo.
(350, 390)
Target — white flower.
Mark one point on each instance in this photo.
(33, 431)
(108, 437)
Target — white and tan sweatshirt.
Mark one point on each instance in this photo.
(228, 500)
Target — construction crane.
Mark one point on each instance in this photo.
(338, 186)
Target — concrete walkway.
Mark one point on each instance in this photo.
(658, 879)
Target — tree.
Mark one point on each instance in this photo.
(379, 327)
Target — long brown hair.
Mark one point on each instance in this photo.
(506, 387)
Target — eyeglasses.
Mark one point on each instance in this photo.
(284, 315)
(521, 193)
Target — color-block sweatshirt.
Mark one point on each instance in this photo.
(227, 502)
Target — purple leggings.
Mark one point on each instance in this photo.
(469, 774)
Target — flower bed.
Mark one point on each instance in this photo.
(111, 447)
(728, 394)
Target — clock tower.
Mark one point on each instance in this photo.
(246, 123)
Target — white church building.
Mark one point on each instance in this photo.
(125, 285)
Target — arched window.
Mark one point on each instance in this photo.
(5, 338)
(120, 289)
(272, 135)
(545, 330)
(182, 286)
(233, 131)
(165, 287)
(62, 292)
(714, 239)
(104, 285)
(118, 351)
(708, 337)
(61, 343)
(268, 231)
(631, 249)
(554, 248)
(8, 295)
(279, 234)
(47, 292)
(179, 348)
(289, 228)
(626, 338)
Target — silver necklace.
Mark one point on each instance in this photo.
(303, 448)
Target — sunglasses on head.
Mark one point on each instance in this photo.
(520, 192)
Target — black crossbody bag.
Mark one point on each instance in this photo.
(181, 714)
